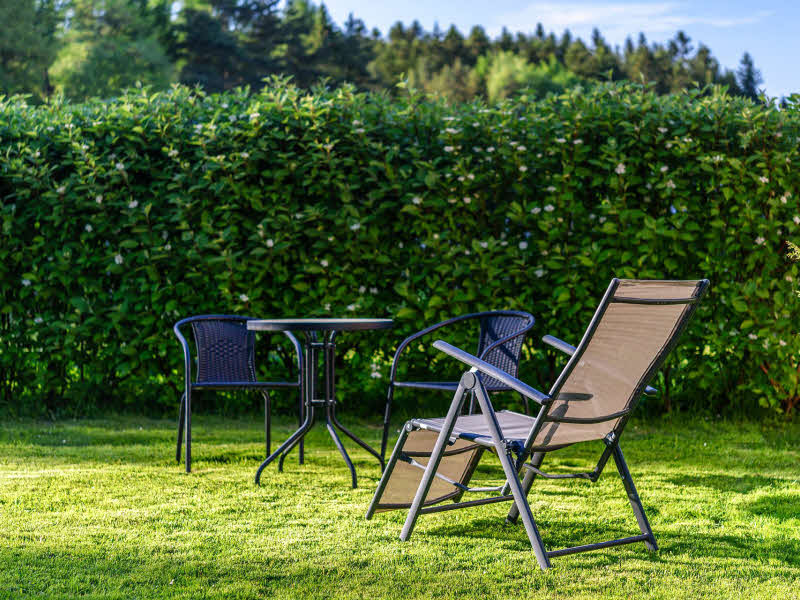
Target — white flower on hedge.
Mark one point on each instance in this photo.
(601, 220)
(355, 226)
(461, 178)
(549, 208)
(356, 122)
(84, 147)
(523, 168)
(577, 142)
(668, 145)
(664, 169)
(753, 336)
(470, 176)
(467, 199)
(232, 118)
(373, 290)
(270, 243)
(118, 259)
(61, 189)
(561, 140)
(452, 130)
(452, 200)
(351, 307)
(512, 143)
(168, 247)
(360, 130)
(254, 116)
(133, 204)
(483, 245)
(416, 200)
(782, 342)
(37, 154)
(539, 272)
(88, 228)
(620, 170)
(785, 198)
(763, 179)
(448, 148)
(39, 320)
(476, 149)
(362, 289)
(26, 282)
(243, 297)
(324, 263)
(521, 149)
(670, 184)
(327, 307)
(523, 245)
(172, 153)
(760, 240)
(536, 210)
(490, 149)
(99, 198)
(717, 158)
(662, 130)
(551, 188)
(796, 220)
(120, 166)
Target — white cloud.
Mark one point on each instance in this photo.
(615, 20)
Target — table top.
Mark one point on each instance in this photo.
(318, 324)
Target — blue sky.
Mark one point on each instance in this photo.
(767, 29)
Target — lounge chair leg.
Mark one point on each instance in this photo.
(180, 427)
(633, 496)
(504, 453)
(527, 483)
(387, 472)
(437, 453)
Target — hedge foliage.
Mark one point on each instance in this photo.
(121, 216)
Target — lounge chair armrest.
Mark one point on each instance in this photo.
(484, 367)
(569, 349)
(558, 344)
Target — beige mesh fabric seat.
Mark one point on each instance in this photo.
(636, 325)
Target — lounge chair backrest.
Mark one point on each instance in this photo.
(635, 327)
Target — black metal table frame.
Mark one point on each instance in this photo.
(313, 346)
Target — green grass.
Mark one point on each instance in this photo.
(100, 509)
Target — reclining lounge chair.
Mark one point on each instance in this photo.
(633, 330)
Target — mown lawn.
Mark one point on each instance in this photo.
(100, 509)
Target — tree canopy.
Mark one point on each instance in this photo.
(85, 48)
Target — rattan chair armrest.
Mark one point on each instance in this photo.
(492, 371)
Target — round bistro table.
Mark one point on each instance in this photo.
(320, 338)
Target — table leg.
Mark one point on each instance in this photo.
(293, 439)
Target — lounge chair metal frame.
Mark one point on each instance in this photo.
(516, 458)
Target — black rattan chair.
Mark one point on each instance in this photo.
(499, 343)
(225, 361)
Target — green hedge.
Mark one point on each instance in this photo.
(121, 216)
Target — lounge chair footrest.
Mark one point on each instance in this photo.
(599, 545)
(455, 505)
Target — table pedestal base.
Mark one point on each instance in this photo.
(327, 347)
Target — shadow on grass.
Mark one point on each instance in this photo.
(740, 484)
(672, 545)
(779, 505)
